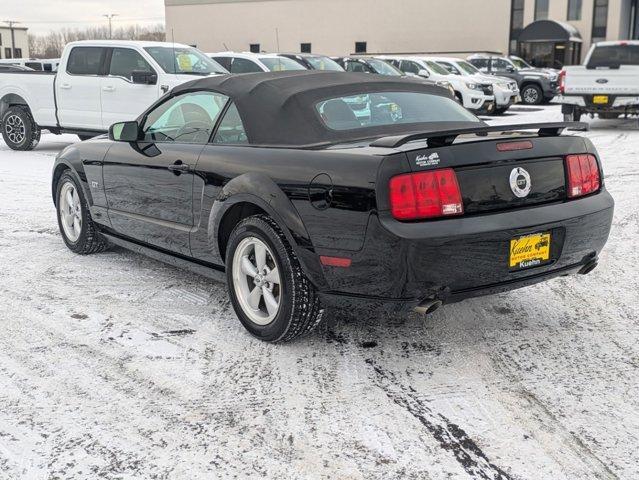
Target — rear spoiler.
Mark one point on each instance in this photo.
(440, 137)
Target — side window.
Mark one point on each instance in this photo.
(231, 129)
(188, 118)
(500, 64)
(241, 65)
(450, 67)
(480, 62)
(125, 61)
(409, 67)
(224, 61)
(355, 67)
(85, 60)
(34, 65)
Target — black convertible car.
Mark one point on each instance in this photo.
(307, 190)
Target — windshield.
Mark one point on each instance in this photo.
(519, 63)
(185, 61)
(323, 63)
(390, 108)
(280, 64)
(384, 68)
(468, 68)
(614, 55)
(436, 68)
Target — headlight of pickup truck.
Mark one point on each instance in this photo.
(473, 86)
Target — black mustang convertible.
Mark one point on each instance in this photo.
(309, 190)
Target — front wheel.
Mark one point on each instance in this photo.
(19, 130)
(501, 111)
(532, 95)
(268, 288)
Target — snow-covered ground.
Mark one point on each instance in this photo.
(116, 366)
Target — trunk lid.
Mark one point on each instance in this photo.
(580, 80)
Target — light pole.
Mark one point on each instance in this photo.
(110, 16)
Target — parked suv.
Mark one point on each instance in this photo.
(246, 62)
(475, 96)
(505, 90)
(536, 85)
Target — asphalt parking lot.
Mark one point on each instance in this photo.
(117, 366)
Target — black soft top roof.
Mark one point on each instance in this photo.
(278, 108)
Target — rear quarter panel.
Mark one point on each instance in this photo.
(35, 88)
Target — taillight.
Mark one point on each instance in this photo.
(583, 175)
(425, 195)
(562, 82)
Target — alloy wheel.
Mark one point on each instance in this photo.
(256, 280)
(70, 212)
(531, 96)
(15, 129)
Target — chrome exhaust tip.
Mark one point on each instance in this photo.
(428, 306)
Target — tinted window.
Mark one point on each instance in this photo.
(280, 64)
(450, 67)
(355, 66)
(85, 60)
(231, 129)
(409, 67)
(34, 65)
(124, 61)
(241, 65)
(614, 55)
(501, 64)
(224, 61)
(390, 108)
(188, 118)
(479, 62)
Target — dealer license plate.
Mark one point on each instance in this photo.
(529, 251)
(600, 99)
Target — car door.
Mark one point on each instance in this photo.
(121, 98)
(149, 183)
(78, 89)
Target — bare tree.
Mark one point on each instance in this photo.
(51, 45)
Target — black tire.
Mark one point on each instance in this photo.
(89, 240)
(573, 116)
(300, 311)
(531, 94)
(19, 130)
(501, 111)
(459, 98)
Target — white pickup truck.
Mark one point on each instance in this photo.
(607, 84)
(98, 83)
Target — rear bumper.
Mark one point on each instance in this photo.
(403, 264)
(616, 103)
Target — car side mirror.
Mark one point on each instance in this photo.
(510, 69)
(124, 132)
(423, 73)
(144, 77)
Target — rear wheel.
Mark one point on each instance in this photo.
(532, 95)
(19, 130)
(268, 288)
(74, 220)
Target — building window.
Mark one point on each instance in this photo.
(305, 48)
(634, 27)
(7, 53)
(516, 23)
(17, 53)
(0, 39)
(360, 47)
(600, 21)
(541, 9)
(255, 48)
(574, 9)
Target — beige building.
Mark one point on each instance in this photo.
(337, 27)
(16, 45)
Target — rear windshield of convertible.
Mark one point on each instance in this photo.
(390, 108)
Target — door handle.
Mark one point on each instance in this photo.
(178, 167)
(108, 89)
(65, 86)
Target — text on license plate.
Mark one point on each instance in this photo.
(600, 99)
(529, 251)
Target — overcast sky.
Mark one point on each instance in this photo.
(42, 16)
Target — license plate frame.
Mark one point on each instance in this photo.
(528, 251)
(600, 99)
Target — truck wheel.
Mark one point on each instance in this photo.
(268, 288)
(573, 116)
(501, 111)
(532, 95)
(74, 220)
(19, 130)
